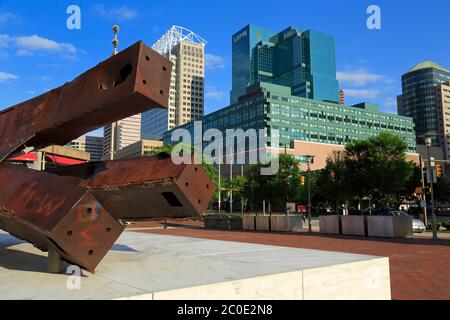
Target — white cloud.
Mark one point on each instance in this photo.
(40, 44)
(121, 13)
(359, 77)
(214, 62)
(23, 53)
(213, 93)
(362, 93)
(4, 40)
(5, 77)
(34, 44)
(6, 17)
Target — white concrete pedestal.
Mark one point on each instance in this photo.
(145, 266)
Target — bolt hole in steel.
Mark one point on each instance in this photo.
(108, 229)
(147, 58)
(144, 81)
(89, 210)
(199, 201)
(161, 92)
(106, 84)
(69, 233)
(195, 169)
(164, 68)
(91, 252)
(171, 199)
(187, 184)
(207, 186)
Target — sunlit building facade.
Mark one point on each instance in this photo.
(186, 50)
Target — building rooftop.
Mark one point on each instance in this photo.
(427, 65)
(175, 35)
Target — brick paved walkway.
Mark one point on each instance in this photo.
(420, 268)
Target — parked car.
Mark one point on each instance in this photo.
(418, 225)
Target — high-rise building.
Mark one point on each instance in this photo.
(341, 97)
(302, 60)
(120, 134)
(443, 109)
(186, 50)
(242, 43)
(92, 145)
(419, 99)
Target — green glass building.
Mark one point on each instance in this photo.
(304, 61)
(271, 106)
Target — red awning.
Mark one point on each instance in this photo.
(62, 160)
(24, 157)
(50, 158)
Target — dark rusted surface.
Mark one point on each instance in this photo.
(149, 187)
(135, 80)
(78, 211)
(53, 212)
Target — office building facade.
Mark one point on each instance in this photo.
(304, 61)
(269, 106)
(120, 134)
(186, 50)
(92, 145)
(419, 98)
(443, 109)
(139, 149)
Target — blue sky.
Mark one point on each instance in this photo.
(38, 52)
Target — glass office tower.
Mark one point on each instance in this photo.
(242, 43)
(303, 61)
(419, 99)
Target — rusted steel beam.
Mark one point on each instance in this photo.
(133, 81)
(148, 187)
(54, 213)
(77, 212)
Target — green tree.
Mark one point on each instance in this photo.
(276, 189)
(332, 180)
(377, 167)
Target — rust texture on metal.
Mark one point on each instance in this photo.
(79, 211)
(133, 81)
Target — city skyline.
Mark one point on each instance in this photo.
(367, 71)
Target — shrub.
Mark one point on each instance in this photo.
(430, 226)
(446, 224)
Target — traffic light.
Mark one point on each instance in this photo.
(438, 170)
(302, 180)
(419, 190)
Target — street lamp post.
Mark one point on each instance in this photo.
(428, 141)
(310, 160)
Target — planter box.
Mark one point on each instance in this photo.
(354, 225)
(223, 223)
(330, 224)
(262, 223)
(389, 227)
(293, 223)
(248, 223)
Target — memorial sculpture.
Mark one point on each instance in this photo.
(76, 213)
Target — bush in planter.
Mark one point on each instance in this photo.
(446, 224)
(430, 226)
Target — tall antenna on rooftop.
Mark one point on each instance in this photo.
(115, 41)
(114, 125)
